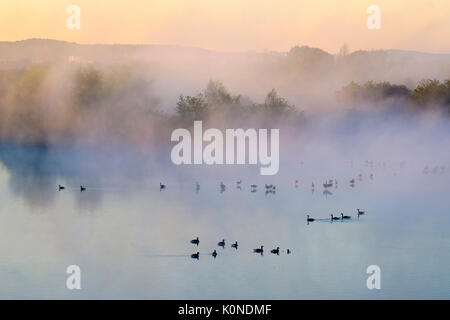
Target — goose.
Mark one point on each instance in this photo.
(269, 186)
(221, 243)
(327, 185)
(334, 218)
(259, 250)
(239, 182)
(82, 189)
(288, 251)
(344, 217)
(296, 183)
(235, 245)
(360, 212)
(195, 241)
(197, 186)
(214, 254)
(195, 255)
(312, 185)
(352, 181)
(60, 187)
(161, 186)
(309, 219)
(253, 186)
(275, 251)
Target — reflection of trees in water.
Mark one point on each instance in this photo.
(35, 172)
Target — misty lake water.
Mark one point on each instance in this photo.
(131, 240)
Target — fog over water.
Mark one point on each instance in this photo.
(106, 125)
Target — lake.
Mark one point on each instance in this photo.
(132, 240)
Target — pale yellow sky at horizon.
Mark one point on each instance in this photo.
(235, 25)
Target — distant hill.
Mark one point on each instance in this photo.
(302, 74)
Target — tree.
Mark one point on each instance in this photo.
(192, 107)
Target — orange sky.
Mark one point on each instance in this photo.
(235, 25)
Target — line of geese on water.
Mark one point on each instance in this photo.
(334, 218)
(270, 188)
(234, 245)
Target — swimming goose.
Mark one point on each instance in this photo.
(214, 254)
(195, 255)
(344, 217)
(195, 241)
(288, 251)
(275, 251)
(334, 218)
(259, 250)
(235, 245)
(82, 189)
(161, 186)
(60, 187)
(309, 219)
(221, 243)
(352, 181)
(360, 212)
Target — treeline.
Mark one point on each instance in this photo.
(217, 105)
(428, 94)
(83, 103)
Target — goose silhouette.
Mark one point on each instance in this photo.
(344, 217)
(60, 187)
(221, 243)
(276, 251)
(161, 186)
(235, 245)
(195, 241)
(82, 189)
(352, 181)
(309, 219)
(360, 213)
(195, 256)
(259, 250)
(288, 251)
(214, 254)
(334, 218)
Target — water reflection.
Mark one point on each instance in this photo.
(132, 240)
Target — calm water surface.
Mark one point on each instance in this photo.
(131, 240)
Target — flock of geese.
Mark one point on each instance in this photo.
(269, 188)
(276, 250)
(234, 245)
(334, 218)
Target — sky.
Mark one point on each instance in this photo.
(235, 25)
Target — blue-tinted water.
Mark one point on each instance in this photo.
(131, 240)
